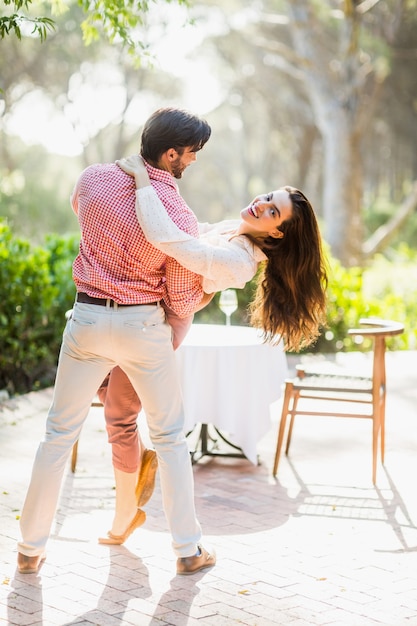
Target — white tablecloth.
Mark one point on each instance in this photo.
(229, 379)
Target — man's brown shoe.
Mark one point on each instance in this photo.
(192, 564)
(146, 479)
(29, 564)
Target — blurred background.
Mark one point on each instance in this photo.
(321, 95)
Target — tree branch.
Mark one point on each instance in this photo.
(382, 236)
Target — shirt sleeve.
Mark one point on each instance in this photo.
(74, 198)
(221, 262)
(223, 226)
(183, 287)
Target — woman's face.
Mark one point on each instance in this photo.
(265, 213)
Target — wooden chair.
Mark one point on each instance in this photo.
(368, 393)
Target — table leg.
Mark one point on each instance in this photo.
(202, 448)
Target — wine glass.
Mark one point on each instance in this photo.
(228, 303)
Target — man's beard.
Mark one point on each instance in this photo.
(177, 168)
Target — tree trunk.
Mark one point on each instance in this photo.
(340, 90)
(342, 189)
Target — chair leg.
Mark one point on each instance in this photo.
(382, 420)
(284, 413)
(376, 428)
(293, 411)
(74, 456)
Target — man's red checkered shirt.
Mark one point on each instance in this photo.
(115, 260)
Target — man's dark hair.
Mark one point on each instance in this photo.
(172, 128)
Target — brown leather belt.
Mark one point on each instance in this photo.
(84, 298)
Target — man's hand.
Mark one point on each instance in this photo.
(206, 299)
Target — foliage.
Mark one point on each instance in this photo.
(35, 292)
(116, 19)
(62, 251)
(34, 195)
(13, 23)
(380, 211)
(390, 282)
(345, 306)
(376, 291)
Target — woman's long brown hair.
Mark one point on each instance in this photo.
(290, 297)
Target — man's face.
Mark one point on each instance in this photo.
(180, 162)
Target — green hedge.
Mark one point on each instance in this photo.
(36, 290)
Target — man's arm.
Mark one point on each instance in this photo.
(74, 197)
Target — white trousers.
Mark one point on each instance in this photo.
(97, 338)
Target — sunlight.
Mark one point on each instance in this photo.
(96, 93)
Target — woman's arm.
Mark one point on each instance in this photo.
(220, 227)
(223, 263)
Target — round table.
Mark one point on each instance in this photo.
(229, 380)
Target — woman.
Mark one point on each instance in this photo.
(277, 234)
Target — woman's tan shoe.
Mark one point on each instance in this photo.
(117, 540)
(146, 479)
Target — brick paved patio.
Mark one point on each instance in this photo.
(319, 546)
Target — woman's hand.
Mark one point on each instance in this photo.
(134, 166)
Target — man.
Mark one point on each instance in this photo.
(118, 320)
